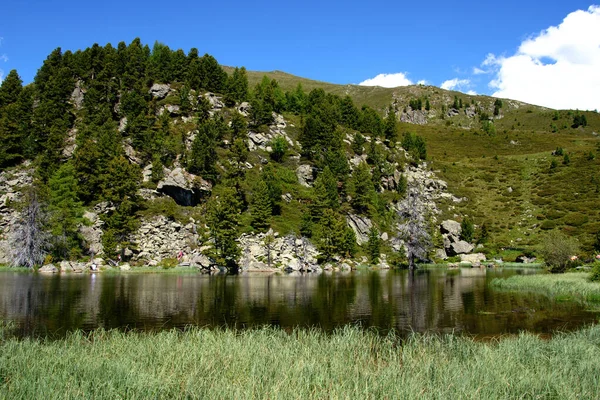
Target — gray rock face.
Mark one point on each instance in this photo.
(287, 253)
(48, 269)
(361, 227)
(215, 101)
(159, 90)
(77, 95)
(417, 117)
(11, 183)
(244, 108)
(186, 189)
(201, 261)
(452, 112)
(473, 258)
(460, 247)
(93, 234)
(159, 238)
(306, 175)
(524, 259)
(441, 254)
(451, 227)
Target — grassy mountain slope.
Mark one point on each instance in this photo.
(506, 176)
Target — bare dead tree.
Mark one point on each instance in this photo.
(268, 241)
(414, 226)
(30, 243)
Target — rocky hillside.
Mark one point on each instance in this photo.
(158, 157)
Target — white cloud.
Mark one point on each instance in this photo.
(472, 92)
(455, 84)
(557, 68)
(388, 80)
(1, 75)
(4, 57)
(479, 71)
(423, 82)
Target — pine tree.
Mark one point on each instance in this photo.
(239, 126)
(65, 210)
(11, 88)
(390, 126)
(214, 78)
(204, 154)
(374, 245)
(260, 206)
(348, 245)
(326, 190)
(362, 185)
(274, 187)
(237, 85)
(222, 212)
(328, 238)
(467, 230)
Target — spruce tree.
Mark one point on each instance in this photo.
(328, 238)
(326, 190)
(273, 183)
(467, 230)
(65, 210)
(11, 88)
(204, 154)
(362, 186)
(222, 214)
(390, 126)
(260, 206)
(374, 245)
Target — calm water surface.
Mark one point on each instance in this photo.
(429, 301)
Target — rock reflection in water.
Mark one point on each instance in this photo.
(426, 301)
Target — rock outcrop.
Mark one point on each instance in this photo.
(453, 244)
(185, 188)
(361, 227)
(306, 175)
(159, 90)
(77, 95)
(159, 238)
(11, 184)
(287, 253)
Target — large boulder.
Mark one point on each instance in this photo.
(159, 90)
(185, 188)
(460, 247)
(48, 269)
(473, 258)
(305, 174)
(361, 227)
(451, 227)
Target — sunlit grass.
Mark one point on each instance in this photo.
(568, 286)
(270, 363)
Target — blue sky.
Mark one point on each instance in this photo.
(440, 42)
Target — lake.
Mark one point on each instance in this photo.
(430, 300)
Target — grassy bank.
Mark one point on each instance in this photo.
(568, 286)
(271, 363)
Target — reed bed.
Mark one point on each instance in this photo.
(567, 286)
(306, 364)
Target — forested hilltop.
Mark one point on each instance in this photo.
(149, 154)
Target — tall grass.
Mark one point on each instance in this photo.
(270, 363)
(571, 285)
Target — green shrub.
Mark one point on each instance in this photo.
(575, 219)
(547, 225)
(595, 276)
(557, 249)
(167, 263)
